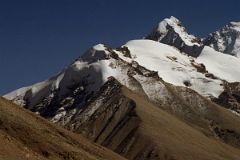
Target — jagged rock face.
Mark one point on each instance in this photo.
(107, 114)
(230, 98)
(171, 31)
(107, 117)
(226, 40)
(226, 135)
(110, 119)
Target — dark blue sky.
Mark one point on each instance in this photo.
(40, 37)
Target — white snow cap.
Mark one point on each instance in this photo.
(178, 28)
(172, 21)
(99, 47)
(236, 26)
(235, 23)
(172, 66)
(226, 39)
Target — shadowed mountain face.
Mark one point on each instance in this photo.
(167, 98)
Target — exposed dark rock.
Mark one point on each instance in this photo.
(187, 83)
(172, 58)
(230, 97)
(210, 75)
(125, 51)
(112, 53)
(110, 119)
(172, 38)
(200, 67)
(226, 135)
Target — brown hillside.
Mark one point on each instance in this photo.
(23, 136)
(176, 140)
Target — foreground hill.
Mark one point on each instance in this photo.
(23, 135)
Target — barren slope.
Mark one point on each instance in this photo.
(186, 127)
(174, 139)
(23, 135)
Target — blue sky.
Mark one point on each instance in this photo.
(40, 37)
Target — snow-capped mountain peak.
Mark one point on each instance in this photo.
(172, 32)
(178, 27)
(95, 53)
(226, 40)
(235, 25)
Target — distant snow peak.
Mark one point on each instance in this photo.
(172, 32)
(99, 47)
(177, 26)
(97, 52)
(226, 40)
(235, 25)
